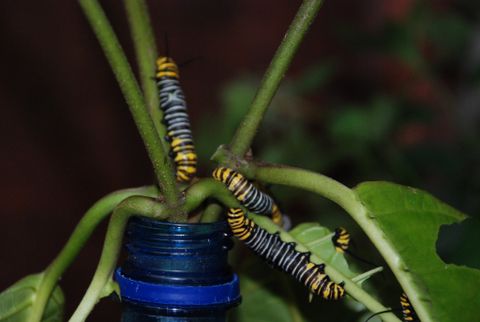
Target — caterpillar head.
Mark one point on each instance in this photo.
(166, 67)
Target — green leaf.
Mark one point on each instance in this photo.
(308, 237)
(410, 220)
(318, 240)
(17, 300)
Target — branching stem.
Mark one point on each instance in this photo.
(271, 81)
(111, 248)
(352, 288)
(101, 209)
(141, 206)
(131, 91)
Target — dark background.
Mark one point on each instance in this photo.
(378, 90)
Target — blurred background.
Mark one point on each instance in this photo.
(379, 90)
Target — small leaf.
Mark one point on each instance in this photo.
(410, 220)
(17, 300)
(318, 240)
(110, 288)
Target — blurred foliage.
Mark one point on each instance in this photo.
(396, 99)
(16, 302)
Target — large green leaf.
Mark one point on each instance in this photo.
(410, 220)
(16, 301)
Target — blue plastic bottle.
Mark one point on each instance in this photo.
(176, 272)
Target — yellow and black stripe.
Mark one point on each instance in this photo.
(284, 256)
(341, 239)
(248, 195)
(175, 117)
(407, 309)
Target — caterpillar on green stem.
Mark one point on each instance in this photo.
(284, 256)
(249, 196)
(175, 117)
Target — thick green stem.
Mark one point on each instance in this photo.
(341, 195)
(146, 54)
(271, 80)
(351, 287)
(209, 188)
(212, 212)
(131, 91)
(244, 135)
(111, 248)
(77, 240)
(143, 206)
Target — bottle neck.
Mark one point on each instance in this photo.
(177, 270)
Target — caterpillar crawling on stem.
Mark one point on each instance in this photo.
(284, 256)
(174, 106)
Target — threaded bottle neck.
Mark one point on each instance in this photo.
(177, 271)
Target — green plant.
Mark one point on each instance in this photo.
(401, 222)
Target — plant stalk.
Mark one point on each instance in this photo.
(352, 288)
(247, 129)
(131, 91)
(77, 240)
(281, 61)
(148, 207)
(146, 54)
(111, 247)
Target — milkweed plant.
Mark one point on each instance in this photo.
(401, 222)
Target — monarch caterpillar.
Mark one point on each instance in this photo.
(284, 256)
(407, 309)
(249, 196)
(172, 102)
(408, 313)
(341, 240)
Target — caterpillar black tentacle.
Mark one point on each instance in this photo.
(249, 196)
(284, 256)
(341, 240)
(172, 102)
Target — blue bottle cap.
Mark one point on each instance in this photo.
(227, 294)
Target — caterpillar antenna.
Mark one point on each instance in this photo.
(382, 312)
(360, 258)
(190, 60)
(167, 47)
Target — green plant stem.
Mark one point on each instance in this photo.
(146, 54)
(131, 91)
(352, 288)
(211, 213)
(245, 133)
(148, 207)
(111, 248)
(77, 240)
(345, 198)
